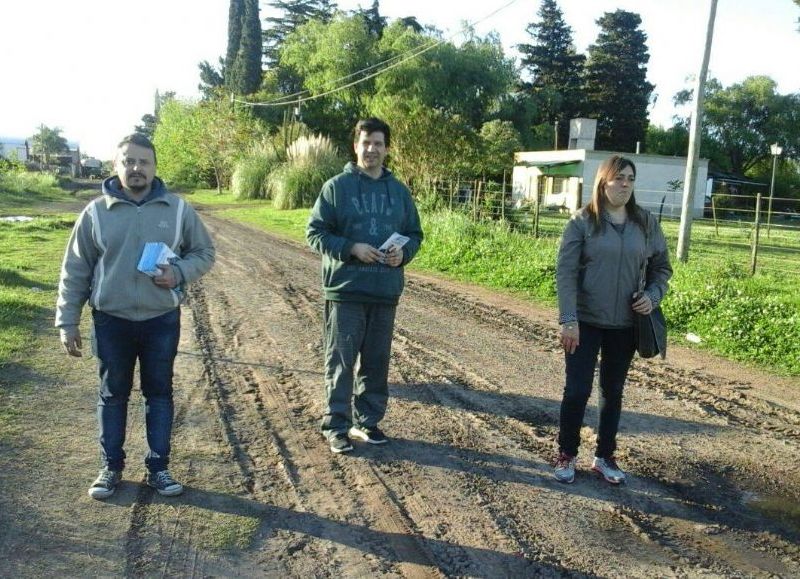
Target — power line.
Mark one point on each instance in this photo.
(412, 53)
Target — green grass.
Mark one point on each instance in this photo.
(30, 261)
(28, 190)
(212, 197)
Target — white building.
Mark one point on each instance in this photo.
(14, 149)
(564, 179)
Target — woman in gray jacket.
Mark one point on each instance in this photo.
(602, 250)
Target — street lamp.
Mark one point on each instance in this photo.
(775, 150)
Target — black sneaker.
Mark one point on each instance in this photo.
(372, 435)
(106, 484)
(340, 443)
(163, 482)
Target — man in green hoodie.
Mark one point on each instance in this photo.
(362, 278)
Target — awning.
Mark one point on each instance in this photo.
(556, 168)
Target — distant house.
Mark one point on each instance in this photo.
(564, 179)
(14, 149)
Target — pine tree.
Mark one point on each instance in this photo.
(245, 74)
(555, 68)
(616, 86)
(373, 19)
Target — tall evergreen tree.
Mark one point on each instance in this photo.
(616, 84)
(373, 19)
(555, 68)
(211, 78)
(245, 74)
(235, 23)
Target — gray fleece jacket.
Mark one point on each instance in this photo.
(106, 244)
(598, 270)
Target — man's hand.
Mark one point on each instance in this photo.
(394, 257)
(570, 337)
(366, 253)
(71, 340)
(167, 279)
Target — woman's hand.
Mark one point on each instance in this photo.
(570, 337)
(643, 305)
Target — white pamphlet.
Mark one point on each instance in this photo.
(395, 241)
(155, 253)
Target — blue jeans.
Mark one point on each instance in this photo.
(617, 348)
(358, 343)
(118, 344)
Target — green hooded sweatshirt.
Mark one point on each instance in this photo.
(355, 208)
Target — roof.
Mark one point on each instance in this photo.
(733, 178)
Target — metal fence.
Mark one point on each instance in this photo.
(755, 232)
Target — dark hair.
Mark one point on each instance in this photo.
(372, 125)
(607, 171)
(139, 140)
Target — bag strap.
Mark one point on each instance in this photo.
(643, 268)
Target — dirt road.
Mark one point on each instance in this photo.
(464, 488)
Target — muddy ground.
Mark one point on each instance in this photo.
(463, 489)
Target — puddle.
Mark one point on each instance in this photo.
(776, 507)
(16, 218)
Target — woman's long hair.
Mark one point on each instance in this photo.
(606, 172)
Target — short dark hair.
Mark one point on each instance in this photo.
(139, 140)
(372, 125)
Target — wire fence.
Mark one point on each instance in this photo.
(759, 234)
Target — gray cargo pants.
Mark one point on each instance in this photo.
(358, 342)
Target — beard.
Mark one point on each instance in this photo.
(140, 186)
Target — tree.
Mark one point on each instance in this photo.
(47, 142)
(294, 13)
(616, 86)
(742, 120)
(500, 141)
(211, 79)
(235, 25)
(199, 143)
(315, 53)
(555, 68)
(149, 121)
(372, 17)
(243, 72)
(468, 81)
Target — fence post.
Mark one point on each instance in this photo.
(754, 255)
(714, 215)
(452, 186)
(536, 216)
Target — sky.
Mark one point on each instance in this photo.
(91, 67)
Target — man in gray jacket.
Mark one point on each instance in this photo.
(136, 316)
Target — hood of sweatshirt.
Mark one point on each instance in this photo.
(113, 186)
(385, 178)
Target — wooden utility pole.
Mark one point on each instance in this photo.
(692, 156)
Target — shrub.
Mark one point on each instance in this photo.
(310, 162)
(250, 176)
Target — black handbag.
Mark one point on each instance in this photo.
(649, 331)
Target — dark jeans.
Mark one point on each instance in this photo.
(358, 342)
(118, 344)
(616, 348)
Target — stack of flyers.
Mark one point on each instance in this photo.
(155, 253)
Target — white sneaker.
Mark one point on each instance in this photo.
(565, 468)
(607, 467)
